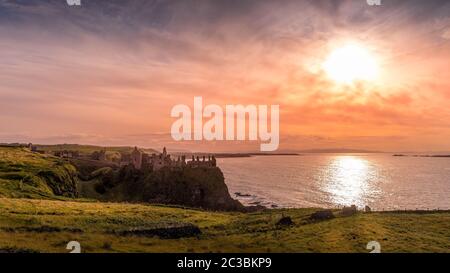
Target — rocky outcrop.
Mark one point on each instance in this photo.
(197, 187)
(349, 211)
(322, 215)
(170, 232)
(192, 187)
(285, 221)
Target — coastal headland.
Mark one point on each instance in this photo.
(46, 200)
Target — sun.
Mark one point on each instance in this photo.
(350, 63)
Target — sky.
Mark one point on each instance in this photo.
(109, 72)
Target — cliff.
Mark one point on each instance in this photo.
(193, 187)
(196, 187)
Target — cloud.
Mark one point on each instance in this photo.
(446, 34)
(89, 74)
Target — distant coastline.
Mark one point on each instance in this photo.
(232, 155)
(415, 155)
(293, 153)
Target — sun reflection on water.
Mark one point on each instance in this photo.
(350, 180)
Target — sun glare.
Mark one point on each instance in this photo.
(350, 180)
(350, 63)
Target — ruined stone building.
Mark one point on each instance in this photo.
(66, 154)
(99, 155)
(141, 160)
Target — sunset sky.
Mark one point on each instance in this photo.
(109, 72)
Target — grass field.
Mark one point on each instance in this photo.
(48, 225)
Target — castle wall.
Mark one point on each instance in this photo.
(154, 162)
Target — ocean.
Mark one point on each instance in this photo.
(380, 181)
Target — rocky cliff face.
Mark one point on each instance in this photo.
(198, 187)
(193, 187)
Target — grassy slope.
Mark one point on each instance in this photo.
(23, 173)
(22, 224)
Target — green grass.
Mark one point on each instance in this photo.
(24, 174)
(47, 226)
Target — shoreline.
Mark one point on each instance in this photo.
(175, 206)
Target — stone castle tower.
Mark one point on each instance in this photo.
(136, 158)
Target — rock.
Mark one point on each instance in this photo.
(173, 232)
(349, 211)
(367, 209)
(238, 194)
(285, 221)
(322, 215)
(253, 208)
(194, 187)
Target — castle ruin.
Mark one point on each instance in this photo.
(144, 161)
